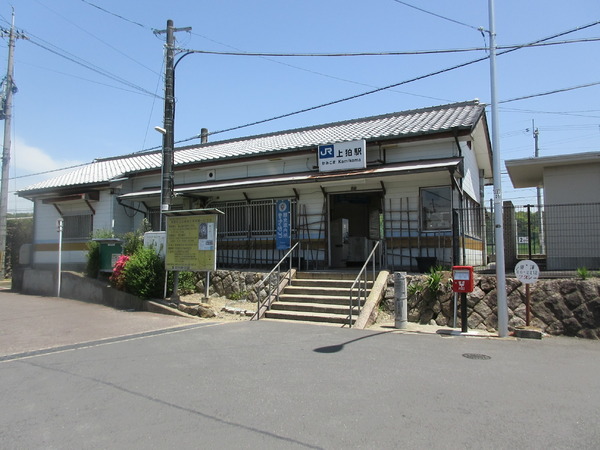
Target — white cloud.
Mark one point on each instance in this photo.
(28, 159)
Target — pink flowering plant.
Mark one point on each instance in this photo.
(117, 278)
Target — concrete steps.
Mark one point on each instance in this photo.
(322, 297)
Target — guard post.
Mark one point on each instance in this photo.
(400, 297)
(462, 283)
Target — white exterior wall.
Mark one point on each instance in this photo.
(46, 237)
(571, 184)
(566, 248)
(415, 151)
(402, 211)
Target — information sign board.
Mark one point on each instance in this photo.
(191, 243)
(156, 240)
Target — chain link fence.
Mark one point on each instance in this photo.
(564, 240)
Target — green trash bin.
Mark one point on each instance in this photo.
(110, 250)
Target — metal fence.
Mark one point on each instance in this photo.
(561, 239)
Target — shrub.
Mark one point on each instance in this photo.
(133, 240)
(145, 274)
(434, 281)
(186, 284)
(583, 273)
(238, 295)
(92, 267)
(19, 231)
(415, 289)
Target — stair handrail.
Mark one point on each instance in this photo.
(273, 286)
(361, 285)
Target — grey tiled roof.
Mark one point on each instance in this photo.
(457, 116)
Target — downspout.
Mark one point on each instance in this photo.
(461, 202)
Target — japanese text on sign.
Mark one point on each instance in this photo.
(284, 226)
(527, 271)
(191, 243)
(342, 156)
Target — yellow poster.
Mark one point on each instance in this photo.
(191, 243)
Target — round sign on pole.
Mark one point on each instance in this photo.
(527, 271)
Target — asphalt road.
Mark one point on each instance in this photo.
(282, 385)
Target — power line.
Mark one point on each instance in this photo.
(117, 15)
(79, 61)
(345, 80)
(558, 113)
(388, 53)
(352, 97)
(112, 47)
(438, 15)
(89, 80)
(555, 91)
(438, 72)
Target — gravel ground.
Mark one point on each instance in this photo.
(235, 310)
(224, 308)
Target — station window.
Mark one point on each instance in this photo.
(436, 208)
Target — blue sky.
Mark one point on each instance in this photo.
(107, 104)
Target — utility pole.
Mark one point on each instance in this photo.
(167, 185)
(498, 208)
(536, 135)
(6, 114)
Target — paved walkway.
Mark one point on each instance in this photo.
(30, 323)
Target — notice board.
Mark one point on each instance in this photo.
(191, 243)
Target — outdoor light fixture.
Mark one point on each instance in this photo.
(161, 130)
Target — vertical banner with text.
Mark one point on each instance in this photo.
(284, 225)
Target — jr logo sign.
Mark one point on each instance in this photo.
(326, 151)
(342, 156)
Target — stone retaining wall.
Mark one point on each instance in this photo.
(231, 283)
(567, 307)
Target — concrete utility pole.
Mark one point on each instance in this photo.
(6, 114)
(498, 212)
(536, 135)
(166, 193)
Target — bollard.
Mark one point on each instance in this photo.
(400, 297)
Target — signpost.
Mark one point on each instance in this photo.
(527, 272)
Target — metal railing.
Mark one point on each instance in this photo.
(360, 283)
(274, 287)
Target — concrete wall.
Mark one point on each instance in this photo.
(77, 287)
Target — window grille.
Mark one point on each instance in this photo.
(250, 219)
(77, 226)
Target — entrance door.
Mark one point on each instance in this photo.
(362, 212)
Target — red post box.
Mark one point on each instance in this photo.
(462, 279)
